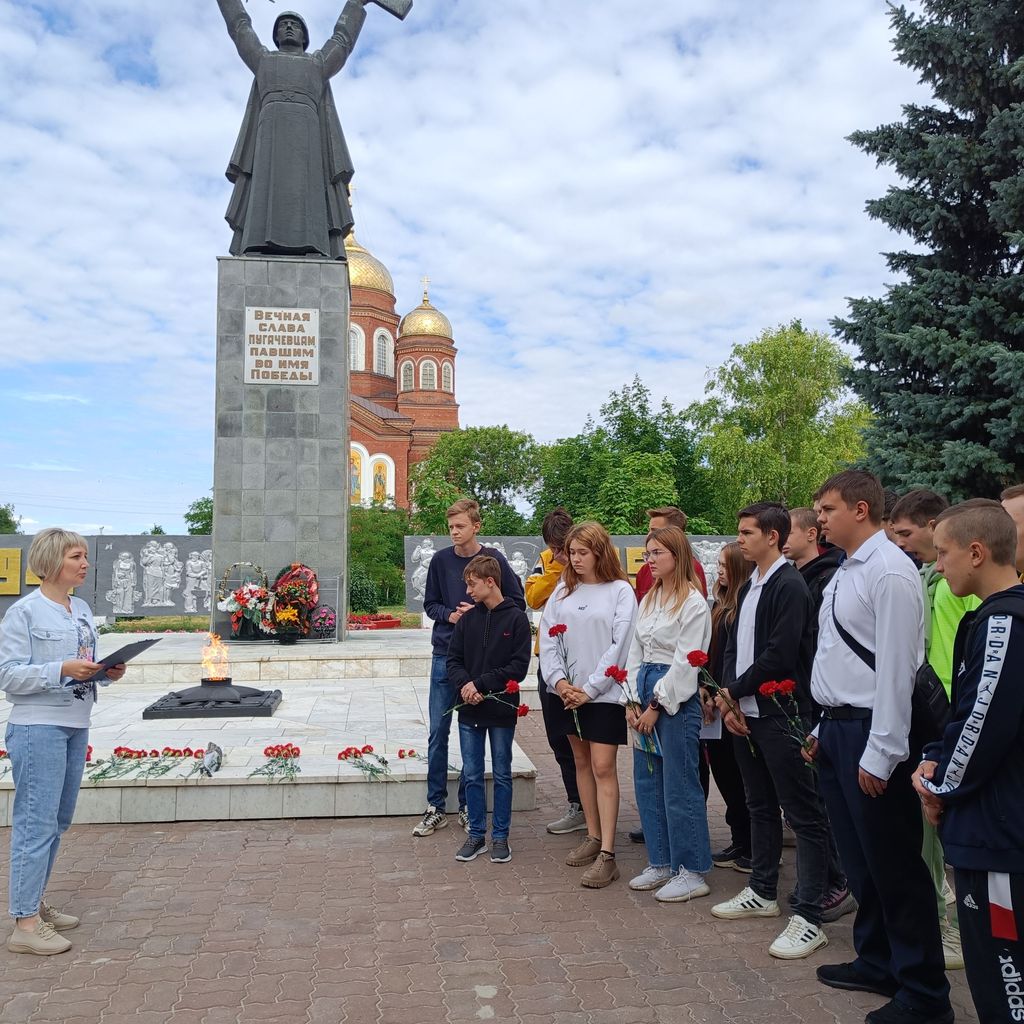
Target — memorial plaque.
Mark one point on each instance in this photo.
(282, 346)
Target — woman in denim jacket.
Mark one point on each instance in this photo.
(47, 656)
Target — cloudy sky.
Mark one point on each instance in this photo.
(596, 189)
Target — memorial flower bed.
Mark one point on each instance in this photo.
(378, 621)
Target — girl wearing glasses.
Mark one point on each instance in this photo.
(673, 620)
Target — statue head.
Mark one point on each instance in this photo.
(290, 30)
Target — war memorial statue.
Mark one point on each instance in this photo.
(291, 167)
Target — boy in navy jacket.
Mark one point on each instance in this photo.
(488, 657)
(971, 782)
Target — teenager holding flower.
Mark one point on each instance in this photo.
(47, 657)
(488, 657)
(596, 606)
(673, 619)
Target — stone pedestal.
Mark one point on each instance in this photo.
(280, 491)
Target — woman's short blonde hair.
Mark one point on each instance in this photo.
(46, 555)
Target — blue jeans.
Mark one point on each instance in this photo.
(443, 696)
(47, 762)
(670, 798)
(472, 740)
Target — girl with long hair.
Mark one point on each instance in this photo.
(585, 630)
(673, 620)
(733, 571)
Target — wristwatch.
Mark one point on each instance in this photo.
(655, 705)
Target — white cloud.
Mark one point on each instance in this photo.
(596, 190)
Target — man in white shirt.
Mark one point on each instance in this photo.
(870, 644)
(772, 644)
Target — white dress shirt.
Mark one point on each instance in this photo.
(745, 630)
(878, 601)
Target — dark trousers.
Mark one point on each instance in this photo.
(774, 775)
(551, 708)
(993, 944)
(720, 757)
(896, 931)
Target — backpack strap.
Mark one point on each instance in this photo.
(862, 652)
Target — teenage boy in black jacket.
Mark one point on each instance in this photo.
(488, 657)
(772, 642)
(971, 782)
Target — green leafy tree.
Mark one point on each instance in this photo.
(495, 465)
(777, 421)
(199, 517)
(9, 521)
(155, 531)
(942, 353)
(572, 472)
(377, 547)
(636, 482)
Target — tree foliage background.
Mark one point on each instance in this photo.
(942, 352)
(9, 520)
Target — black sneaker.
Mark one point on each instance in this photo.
(727, 858)
(472, 848)
(895, 1012)
(636, 836)
(501, 852)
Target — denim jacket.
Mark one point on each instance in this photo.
(36, 637)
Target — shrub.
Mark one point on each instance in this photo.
(363, 595)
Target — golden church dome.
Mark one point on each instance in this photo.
(365, 270)
(425, 319)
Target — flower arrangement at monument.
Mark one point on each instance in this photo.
(281, 763)
(375, 770)
(250, 605)
(324, 621)
(378, 620)
(146, 764)
(296, 592)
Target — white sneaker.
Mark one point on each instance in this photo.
(464, 819)
(650, 878)
(686, 885)
(432, 820)
(800, 939)
(952, 950)
(745, 904)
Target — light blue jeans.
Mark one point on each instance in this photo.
(47, 762)
(472, 740)
(443, 696)
(668, 791)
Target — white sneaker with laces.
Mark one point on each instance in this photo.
(799, 939)
(947, 892)
(686, 885)
(650, 878)
(574, 820)
(432, 820)
(464, 819)
(745, 904)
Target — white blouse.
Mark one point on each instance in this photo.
(665, 636)
(599, 618)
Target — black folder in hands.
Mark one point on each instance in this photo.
(119, 657)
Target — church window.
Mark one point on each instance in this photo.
(357, 351)
(408, 376)
(383, 354)
(447, 377)
(428, 375)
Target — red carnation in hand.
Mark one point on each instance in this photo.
(786, 687)
(511, 686)
(558, 629)
(769, 689)
(698, 659)
(522, 711)
(620, 675)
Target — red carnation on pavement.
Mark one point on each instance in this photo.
(197, 754)
(411, 753)
(401, 755)
(511, 686)
(522, 711)
(698, 659)
(558, 629)
(367, 749)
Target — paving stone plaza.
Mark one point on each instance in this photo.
(327, 920)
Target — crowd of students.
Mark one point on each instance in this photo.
(837, 688)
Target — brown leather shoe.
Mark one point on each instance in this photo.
(60, 922)
(585, 853)
(602, 872)
(42, 940)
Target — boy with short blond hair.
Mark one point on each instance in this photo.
(488, 657)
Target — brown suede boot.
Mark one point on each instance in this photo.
(602, 872)
(585, 853)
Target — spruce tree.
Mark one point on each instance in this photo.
(941, 360)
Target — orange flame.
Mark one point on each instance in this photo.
(215, 659)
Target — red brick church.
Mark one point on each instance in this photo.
(402, 378)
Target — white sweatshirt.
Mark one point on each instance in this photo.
(665, 636)
(599, 618)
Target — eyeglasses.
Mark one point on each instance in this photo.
(656, 553)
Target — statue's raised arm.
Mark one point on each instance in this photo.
(290, 166)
